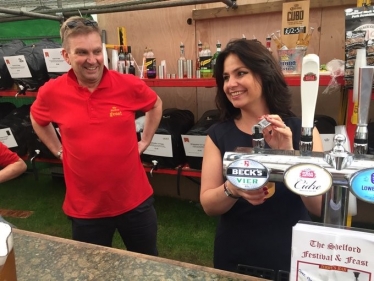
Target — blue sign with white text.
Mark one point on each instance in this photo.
(362, 185)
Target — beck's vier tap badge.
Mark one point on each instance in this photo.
(247, 174)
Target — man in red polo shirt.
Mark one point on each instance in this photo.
(11, 166)
(106, 186)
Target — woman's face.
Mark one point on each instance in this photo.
(240, 85)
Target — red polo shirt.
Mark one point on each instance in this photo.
(7, 157)
(103, 172)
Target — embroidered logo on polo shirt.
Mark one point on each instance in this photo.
(115, 112)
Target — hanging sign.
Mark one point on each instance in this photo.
(295, 20)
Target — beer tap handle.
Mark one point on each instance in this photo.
(365, 85)
(309, 91)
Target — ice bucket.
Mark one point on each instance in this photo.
(291, 60)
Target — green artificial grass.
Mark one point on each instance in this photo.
(185, 232)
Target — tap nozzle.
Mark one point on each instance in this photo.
(154, 167)
(258, 141)
(306, 141)
(37, 152)
(360, 145)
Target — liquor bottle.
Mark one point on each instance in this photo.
(206, 70)
(308, 36)
(279, 35)
(300, 38)
(130, 59)
(278, 42)
(127, 63)
(199, 50)
(150, 62)
(183, 60)
(214, 59)
(144, 67)
(268, 44)
(121, 60)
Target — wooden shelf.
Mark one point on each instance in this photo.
(194, 82)
(292, 80)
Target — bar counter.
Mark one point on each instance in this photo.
(41, 257)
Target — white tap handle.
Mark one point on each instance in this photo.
(309, 89)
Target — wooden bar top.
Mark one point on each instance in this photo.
(47, 258)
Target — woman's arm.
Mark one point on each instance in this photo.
(212, 195)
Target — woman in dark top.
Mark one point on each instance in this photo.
(254, 229)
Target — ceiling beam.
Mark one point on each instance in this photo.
(262, 8)
(30, 14)
(133, 5)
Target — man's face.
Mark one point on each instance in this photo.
(85, 55)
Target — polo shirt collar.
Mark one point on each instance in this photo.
(104, 83)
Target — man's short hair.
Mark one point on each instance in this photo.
(76, 26)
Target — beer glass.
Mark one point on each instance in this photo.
(7, 259)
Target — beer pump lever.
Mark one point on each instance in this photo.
(309, 91)
(360, 145)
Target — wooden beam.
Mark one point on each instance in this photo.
(262, 8)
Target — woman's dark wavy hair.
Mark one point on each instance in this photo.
(263, 65)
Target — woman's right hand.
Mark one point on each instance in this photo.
(254, 197)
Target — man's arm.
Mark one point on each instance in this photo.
(48, 136)
(13, 170)
(151, 122)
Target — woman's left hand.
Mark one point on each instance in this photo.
(277, 135)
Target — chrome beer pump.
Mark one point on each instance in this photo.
(307, 173)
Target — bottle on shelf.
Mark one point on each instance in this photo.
(183, 61)
(150, 63)
(268, 44)
(280, 45)
(121, 60)
(308, 36)
(218, 50)
(130, 59)
(300, 37)
(206, 70)
(279, 35)
(127, 63)
(144, 67)
(199, 50)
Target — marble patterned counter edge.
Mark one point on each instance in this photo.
(41, 257)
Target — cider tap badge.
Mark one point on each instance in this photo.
(307, 179)
(247, 174)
